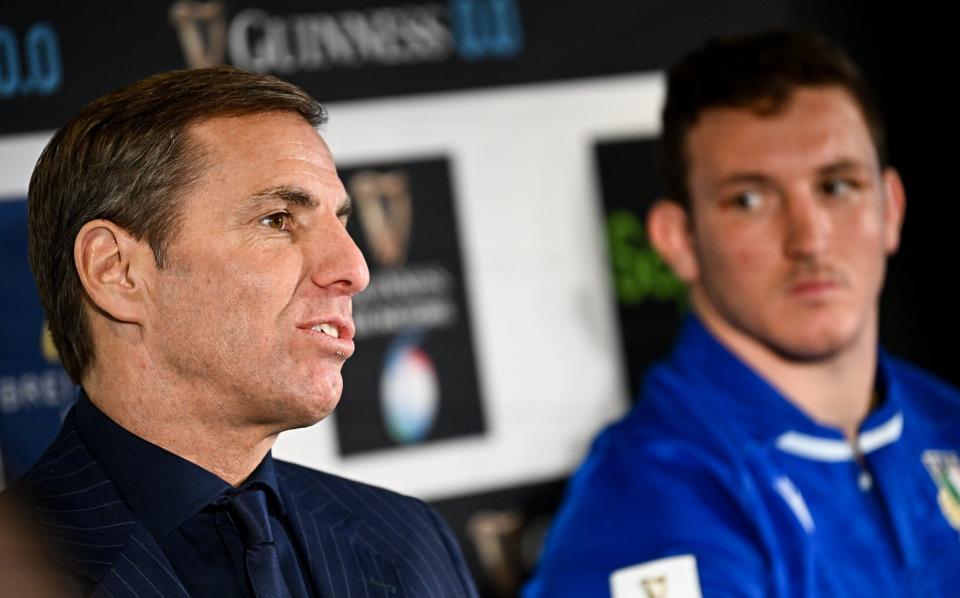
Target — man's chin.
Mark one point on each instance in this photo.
(808, 346)
(313, 412)
(795, 338)
(307, 406)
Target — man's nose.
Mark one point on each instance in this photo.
(340, 263)
(808, 226)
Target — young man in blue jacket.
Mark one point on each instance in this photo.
(778, 451)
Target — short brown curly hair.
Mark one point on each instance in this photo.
(757, 71)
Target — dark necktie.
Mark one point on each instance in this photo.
(248, 509)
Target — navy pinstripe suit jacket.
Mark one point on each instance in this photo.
(359, 541)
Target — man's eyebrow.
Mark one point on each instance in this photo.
(840, 166)
(286, 193)
(294, 195)
(742, 178)
(755, 178)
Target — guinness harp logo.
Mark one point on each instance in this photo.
(655, 587)
(386, 210)
(201, 27)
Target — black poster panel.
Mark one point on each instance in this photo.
(413, 377)
(650, 299)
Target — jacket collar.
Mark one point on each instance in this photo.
(730, 385)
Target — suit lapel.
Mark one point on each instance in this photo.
(141, 570)
(346, 559)
(89, 527)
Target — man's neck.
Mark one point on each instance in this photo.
(837, 391)
(170, 418)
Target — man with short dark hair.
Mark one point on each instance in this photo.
(188, 237)
(778, 451)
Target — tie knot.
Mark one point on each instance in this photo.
(248, 508)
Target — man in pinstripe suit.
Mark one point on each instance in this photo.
(187, 234)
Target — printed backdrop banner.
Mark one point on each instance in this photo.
(35, 392)
(55, 58)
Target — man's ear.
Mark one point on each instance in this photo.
(894, 208)
(668, 227)
(113, 267)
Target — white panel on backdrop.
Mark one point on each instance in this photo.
(18, 156)
(537, 273)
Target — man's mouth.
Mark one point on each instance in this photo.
(817, 284)
(813, 287)
(328, 329)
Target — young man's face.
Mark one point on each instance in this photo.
(791, 222)
(260, 274)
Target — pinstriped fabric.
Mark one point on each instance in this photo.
(82, 518)
(366, 542)
(453, 552)
(359, 541)
(90, 529)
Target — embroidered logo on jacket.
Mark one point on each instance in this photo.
(944, 468)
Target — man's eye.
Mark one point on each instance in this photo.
(278, 221)
(748, 200)
(837, 187)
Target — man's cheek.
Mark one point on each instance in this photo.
(744, 259)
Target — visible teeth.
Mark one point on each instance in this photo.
(328, 330)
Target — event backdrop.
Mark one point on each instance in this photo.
(501, 155)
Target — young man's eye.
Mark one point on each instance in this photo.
(748, 200)
(278, 221)
(837, 187)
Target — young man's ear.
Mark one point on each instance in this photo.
(894, 209)
(113, 266)
(668, 227)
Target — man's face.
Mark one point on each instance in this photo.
(791, 224)
(252, 312)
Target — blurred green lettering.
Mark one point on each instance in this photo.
(639, 273)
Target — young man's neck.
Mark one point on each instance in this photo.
(837, 391)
